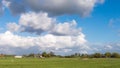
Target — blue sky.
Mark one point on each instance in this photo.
(99, 23)
(96, 26)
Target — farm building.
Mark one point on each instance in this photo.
(17, 56)
(1, 55)
(38, 56)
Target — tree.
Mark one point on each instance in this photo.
(77, 54)
(97, 55)
(44, 54)
(52, 54)
(31, 55)
(84, 55)
(107, 54)
(115, 55)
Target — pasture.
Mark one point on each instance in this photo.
(59, 63)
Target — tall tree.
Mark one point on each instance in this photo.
(107, 54)
(97, 55)
(44, 54)
(115, 55)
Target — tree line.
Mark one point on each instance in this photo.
(75, 55)
(95, 55)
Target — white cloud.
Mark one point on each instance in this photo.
(61, 37)
(6, 3)
(36, 22)
(53, 7)
(51, 42)
(16, 7)
(100, 1)
(58, 37)
(66, 28)
(9, 39)
(112, 47)
(108, 47)
(104, 47)
(13, 27)
(40, 23)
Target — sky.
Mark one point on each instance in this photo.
(61, 26)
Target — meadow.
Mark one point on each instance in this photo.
(59, 63)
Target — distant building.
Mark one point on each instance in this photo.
(17, 56)
(1, 55)
(38, 56)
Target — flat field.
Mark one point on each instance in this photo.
(59, 63)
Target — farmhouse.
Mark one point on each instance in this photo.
(38, 56)
(17, 56)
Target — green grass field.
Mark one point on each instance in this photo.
(59, 63)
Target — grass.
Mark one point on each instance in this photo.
(59, 63)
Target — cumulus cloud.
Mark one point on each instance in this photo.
(53, 7)
(16, 7)
(42, 43)
(40, 23)
(36, 22)
(104, 47)
(60, 37)
(66, 28)
(13, 27)
(100, 1)
(56, 36)
(112, 47)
